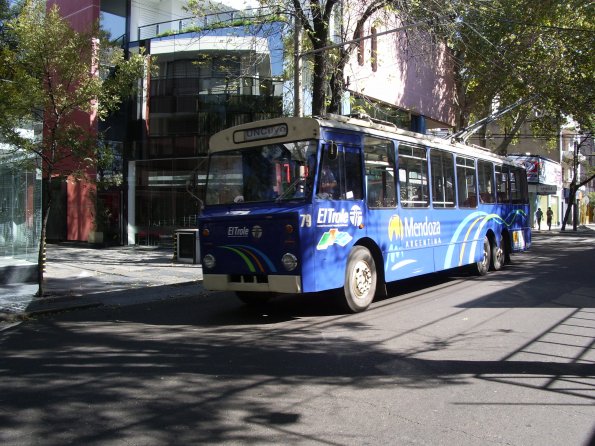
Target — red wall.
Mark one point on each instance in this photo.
(80, 13)
(80, 205)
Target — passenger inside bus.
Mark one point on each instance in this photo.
(328, 184)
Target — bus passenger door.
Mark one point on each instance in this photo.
(337, 207)
(383, 223)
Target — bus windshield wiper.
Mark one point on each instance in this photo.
(292, 186)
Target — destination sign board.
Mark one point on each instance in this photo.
(259, 133)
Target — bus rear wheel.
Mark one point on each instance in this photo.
(498, 256)
(360, 279)
(481, 268)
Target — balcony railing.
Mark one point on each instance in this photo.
(240, 85)
(214, 20)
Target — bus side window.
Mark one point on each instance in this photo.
(379, 158)
(466, 182)
(443, 179)
(340, 175)
(413, 176)
(518, 180)
(502, 184)
(353, 174)
(486, 182)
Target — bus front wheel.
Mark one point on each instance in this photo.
(481, 267)
(360, 279)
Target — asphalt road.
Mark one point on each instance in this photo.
(507, 359)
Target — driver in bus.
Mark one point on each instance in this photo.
(328, 183)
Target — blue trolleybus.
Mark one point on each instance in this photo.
(301, 205)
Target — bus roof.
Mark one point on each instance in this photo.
(279, 130)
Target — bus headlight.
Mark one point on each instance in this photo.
(208, 261)
(289, 261)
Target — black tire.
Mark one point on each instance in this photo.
(505, 245)
(498, 256)
(253, 299)
(360, 280)
(481, 268)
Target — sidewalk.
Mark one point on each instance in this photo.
(78, 276)
(581, 230)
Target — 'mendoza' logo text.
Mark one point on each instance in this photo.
(414, 234)
(424, 229)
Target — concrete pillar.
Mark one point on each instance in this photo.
(131, 229)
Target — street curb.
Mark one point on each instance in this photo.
(52, 308)
(581, 230)
(580, 233)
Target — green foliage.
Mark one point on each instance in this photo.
(65, 80)
(511, 49)
(503, 50)
(54, 74)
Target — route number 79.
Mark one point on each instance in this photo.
(305, 220)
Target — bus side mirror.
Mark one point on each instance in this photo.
(332, 150)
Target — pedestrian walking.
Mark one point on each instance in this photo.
(538, 217)
(548, 218)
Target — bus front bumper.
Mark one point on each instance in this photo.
(272, 284)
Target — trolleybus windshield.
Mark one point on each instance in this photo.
(266, 173)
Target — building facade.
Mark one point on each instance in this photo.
(400, 75)
(544, 178)
(207, 74)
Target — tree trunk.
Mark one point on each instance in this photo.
(337, 86)
(42, 238)
(318, 85)
(572, 199)
(571, 204)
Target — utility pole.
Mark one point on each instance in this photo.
(572, 191)
(574, 183)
